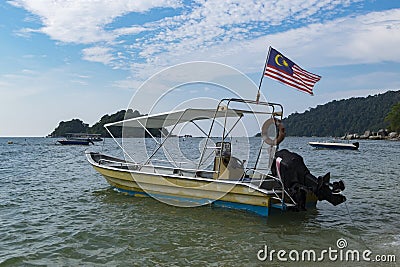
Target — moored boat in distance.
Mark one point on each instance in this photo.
(94, 137)
(220, 177)
(335, 145)
(81, 142)
(80, 139)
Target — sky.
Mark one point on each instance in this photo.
(65, 59)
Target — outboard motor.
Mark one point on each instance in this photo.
(298, 180)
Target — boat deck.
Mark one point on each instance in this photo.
(268, 182)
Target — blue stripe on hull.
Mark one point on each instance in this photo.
(260, 210)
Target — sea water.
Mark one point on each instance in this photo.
(55, 210)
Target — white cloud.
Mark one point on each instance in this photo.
(235, 32)
(199, 25)
(128, 84)
(217, 22)
(28, 71)
(26, 32)
(98, 54)
(83, 76)
(363, 39)
(370, 80)
(369, 38)
(129, 30)
(84, 22)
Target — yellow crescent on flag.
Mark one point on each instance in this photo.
(283, 61)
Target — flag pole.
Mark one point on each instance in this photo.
(262, 76)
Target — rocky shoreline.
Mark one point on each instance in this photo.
(380, 135)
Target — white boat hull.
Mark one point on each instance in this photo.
(230, 194)
(327, 145)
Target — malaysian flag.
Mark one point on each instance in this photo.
(284, 70)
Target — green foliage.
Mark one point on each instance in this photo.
(77, 126)
(394, 118)
(72, 126)
(336, 118)
(98, 127)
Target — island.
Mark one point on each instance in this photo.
(374, 117)
(66, 128)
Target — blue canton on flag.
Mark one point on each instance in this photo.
(286, 71)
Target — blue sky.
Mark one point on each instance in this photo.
(82, 59)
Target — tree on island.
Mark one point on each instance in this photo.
(394, 118)
(339, 117)
(98, 127)
(72, 126)
(78, 126)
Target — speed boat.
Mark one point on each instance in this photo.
(83, 139)
(222, 176)
(334, 145)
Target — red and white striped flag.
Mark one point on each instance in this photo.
(286, 71)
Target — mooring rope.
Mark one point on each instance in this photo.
(352, 222)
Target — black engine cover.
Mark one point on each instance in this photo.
(297, 180)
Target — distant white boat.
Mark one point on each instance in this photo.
(333, 145)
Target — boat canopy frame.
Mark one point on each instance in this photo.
(192, 115)
(223, 110)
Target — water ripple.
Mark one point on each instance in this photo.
(56, 210)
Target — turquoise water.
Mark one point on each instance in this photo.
(55, 210)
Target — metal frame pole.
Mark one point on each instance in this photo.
(262, 76)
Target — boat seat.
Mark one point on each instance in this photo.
(177, 172)
(204, 174)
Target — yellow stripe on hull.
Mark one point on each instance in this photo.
(181, 187)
